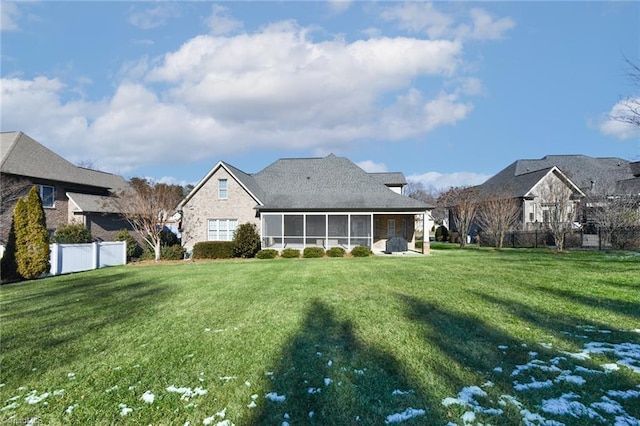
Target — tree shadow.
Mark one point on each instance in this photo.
(328, 376)
(57, 313)
(495, 359)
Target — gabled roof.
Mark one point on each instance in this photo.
(317, 184)
(88, 203)
(23, 156)
(583, 171)
(390, 178)
(328, 183)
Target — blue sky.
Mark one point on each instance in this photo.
(447, 93)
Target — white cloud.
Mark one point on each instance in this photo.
(153, 17)
(272, 89)
(426, 18)
(220, 22)
(339, 6)
(9, 14)
(610, 127)
(443, 181)
(372, 167)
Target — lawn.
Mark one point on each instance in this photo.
(475, 336)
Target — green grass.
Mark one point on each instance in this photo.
(426, 326)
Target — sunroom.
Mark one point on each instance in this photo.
(280, 230)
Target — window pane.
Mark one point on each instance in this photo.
(293, 225)
(361, 226)
(316, 226)
(272, 225)
(338, 225)
(222, 188)
(47, 195)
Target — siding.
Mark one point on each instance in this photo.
(205, 205)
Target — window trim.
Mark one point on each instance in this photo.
(42, 198)
(223, 193)
(230, 231)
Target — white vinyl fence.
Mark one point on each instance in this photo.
(67, 258)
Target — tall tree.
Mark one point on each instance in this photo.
(148, 207)
(462, 203)
(32, 237)
(497, 216)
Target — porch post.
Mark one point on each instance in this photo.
(425, 234)
(349, 231)
(371, 233)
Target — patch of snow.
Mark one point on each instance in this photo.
(631, 393)
(311, 414)
(112, 389)
(314, 390)
(273, 396)
(70, 409)
(610, 367)
(329, 363)
(532, 385)
(247, 384)
(252, 404)
(327, 381)
(399, 392)
(565, 376)
(11, 406)
(546, 345)
(187, 393)
(229, 378)
(71, 376)
(497, 370)
(608, 405)
(124, 410)
(148, 397)
(58, 392)
(34, 398)
(503, 347)
(407, 414)
(468, 417)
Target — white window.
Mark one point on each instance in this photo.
(222, 189)
(47, 195)
(221, 229)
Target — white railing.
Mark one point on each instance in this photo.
(67, 258)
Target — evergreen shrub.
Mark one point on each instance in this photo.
(361, 251)
(32, 237)
(290, 253)
(313, 252)
(213, 250)
(133, 248)
(267, 254)
(246, 241)
(72, 233)
(336, 252)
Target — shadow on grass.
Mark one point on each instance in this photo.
(329, 377)
(493, 358)
(44, 322)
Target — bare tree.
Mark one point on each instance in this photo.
(462, 204)
(556, 202)
(148, 207)
(418, 191)
(497, 216)
(610, 210)
(631, 104)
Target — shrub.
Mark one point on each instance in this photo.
(267, 254)
(442, 233)
(168, 238)
(174, 252)
(8, 265)
(361, 251)
(313, 252)
(290, 253)
(133, 248)
(246, 241)
(32, 237)
(72, 233)
(213, 250)
(336, 252)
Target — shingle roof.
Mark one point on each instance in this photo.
(329, 183)
(21, 155)
(390, 178)
(88, 203)
(517, 178)
(247, 180)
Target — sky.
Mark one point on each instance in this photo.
(447, 93)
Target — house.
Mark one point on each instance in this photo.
(588, 179)
(302, 202)
(69, 193)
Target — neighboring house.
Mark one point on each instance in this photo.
(325, 202)
(589, 179)
(69, 193)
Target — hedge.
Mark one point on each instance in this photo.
(213, 250)
(290, 253)
(267, 254)
(311, 252)
(336, 252)
(361, 251)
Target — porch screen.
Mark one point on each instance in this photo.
(272, 230)
(293, 229)
(361, 230)
(316, 230)
(338, 230)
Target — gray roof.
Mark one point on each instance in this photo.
(390, 178)
(88, 203)
(329, 183)
(519, 177)
(23, 156)
(247, 180)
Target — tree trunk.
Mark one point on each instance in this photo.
(156, 250)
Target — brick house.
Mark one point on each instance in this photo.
(301, 202)
(69, 193)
